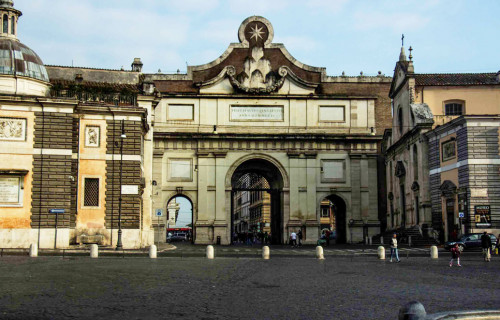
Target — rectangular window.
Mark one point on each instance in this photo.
(325, 212)
(333, 170)
(453, 109)
(180, 112)
(91, 192)
(10, 190)
(332, 113)
(448, 150)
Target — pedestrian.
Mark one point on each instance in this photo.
(293, 239)
(455, 254)
(486, 245)
(394, 248)
(327, 236)
(299, 235)
(497, 244)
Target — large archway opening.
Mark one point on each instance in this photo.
(333, 219)
(257, 203)
(179, 219)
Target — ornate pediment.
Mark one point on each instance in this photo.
(448, 188)
(400, 169)
(256, 74)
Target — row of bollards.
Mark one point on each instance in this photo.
(381, 252)
(210, 253)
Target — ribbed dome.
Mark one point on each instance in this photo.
(17, 59)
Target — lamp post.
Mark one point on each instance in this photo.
(119, 245)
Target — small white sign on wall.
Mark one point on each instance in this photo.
(479, 192)
(130, 189)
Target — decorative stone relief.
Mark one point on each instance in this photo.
(422, 113)
(92, 136)
(12, 129)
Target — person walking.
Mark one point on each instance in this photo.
(394, 248)
(293, 239)
(486, 245)
(455, 254)
(497, 244)
(299, 235)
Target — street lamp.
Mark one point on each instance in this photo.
(119, 245)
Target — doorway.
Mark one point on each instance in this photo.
(333, 218)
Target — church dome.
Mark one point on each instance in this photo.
(19, 60)
(21, 70)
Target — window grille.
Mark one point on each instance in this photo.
(91, 192)
(453, 109)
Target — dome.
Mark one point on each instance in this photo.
(19, 60)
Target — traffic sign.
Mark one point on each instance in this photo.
(461, 215)
(159, 212)
(56, 210)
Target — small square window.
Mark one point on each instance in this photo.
(91, 192)
(453, 109)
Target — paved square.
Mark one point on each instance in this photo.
(355, 287)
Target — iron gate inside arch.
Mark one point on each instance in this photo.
(255, 214)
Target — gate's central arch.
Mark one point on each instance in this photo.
(257, 202)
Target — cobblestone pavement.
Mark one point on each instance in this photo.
(340, 287)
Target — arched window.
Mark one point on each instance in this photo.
(5, 23)
(13, 25)
(415, 162)
(400, 120)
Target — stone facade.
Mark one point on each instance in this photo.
(421, 104)
(257, 109)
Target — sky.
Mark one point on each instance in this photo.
(341, 35)
(185, 212)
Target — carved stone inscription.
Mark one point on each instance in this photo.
(12, 129)
(246, 113)
(9, 190)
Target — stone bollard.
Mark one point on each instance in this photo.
(210, 252)
(94, 251)
(434, 252)
(381, 252)
(33, 250)
(319, 253)
(413, 310)
(152, 251)
(265, 252)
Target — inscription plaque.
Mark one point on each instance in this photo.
(9, 189)
(246, 113)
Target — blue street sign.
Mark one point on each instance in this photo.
(56, 210)
(461, 215)
(159, 212)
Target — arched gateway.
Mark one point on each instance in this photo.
(258, 139)
(257, 201)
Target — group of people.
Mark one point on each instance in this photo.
(251, 238)
(486, 245)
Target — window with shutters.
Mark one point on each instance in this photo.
(91, 192)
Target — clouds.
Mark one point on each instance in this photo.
(350, 35)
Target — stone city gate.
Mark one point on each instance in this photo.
(257, 110)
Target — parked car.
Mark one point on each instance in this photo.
(178, 236)
(469, 241)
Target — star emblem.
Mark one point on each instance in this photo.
(256, 32)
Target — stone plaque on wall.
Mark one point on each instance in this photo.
(333, 170)
(180, 169)
(332, 113)
(12, 129)
(92, 136)
(257, 113)
(9, 190)
(180, 112)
